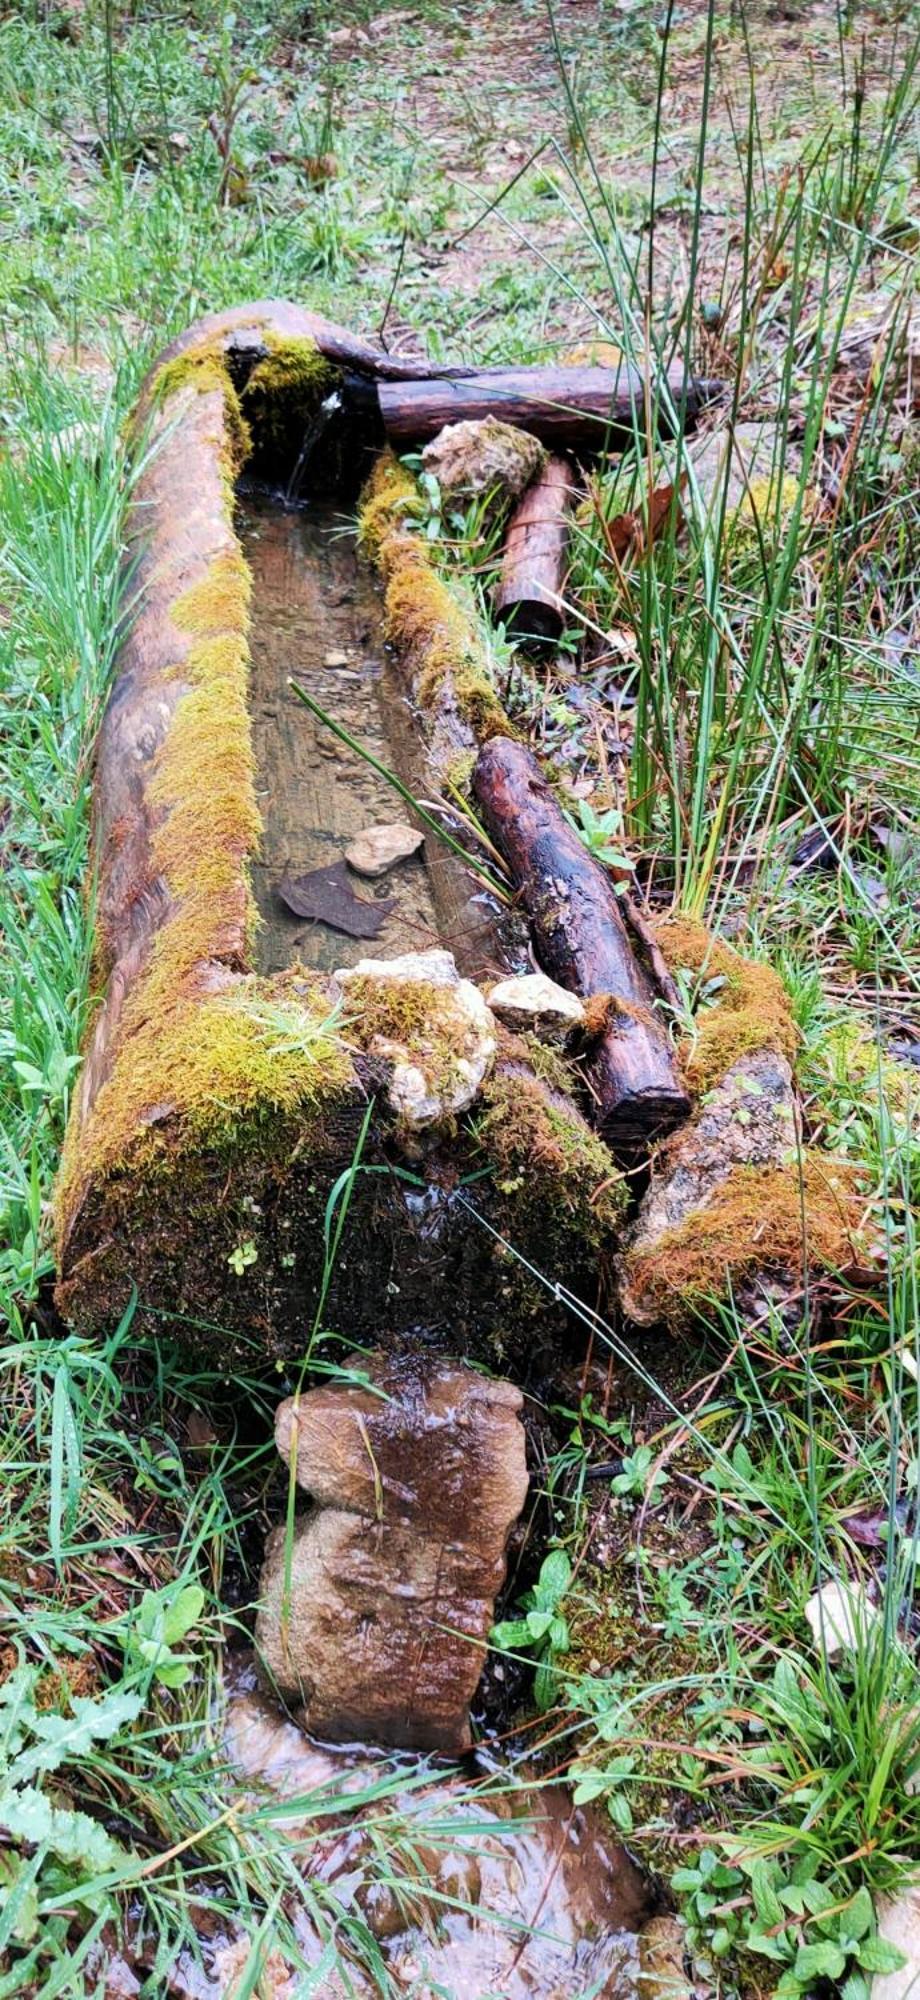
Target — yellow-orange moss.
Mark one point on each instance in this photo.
(603, 1009)
(536, 1144)
(204, 785)
(753, 1221)
(425, 620)
(390, 499)
(204, 369)
(750, 1009)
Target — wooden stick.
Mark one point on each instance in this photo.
(570, 408)
(529, 596)
(582, 941)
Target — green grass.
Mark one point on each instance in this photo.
(767, 689)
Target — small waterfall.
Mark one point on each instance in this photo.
(329, 408)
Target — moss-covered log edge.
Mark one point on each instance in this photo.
(190, 1053)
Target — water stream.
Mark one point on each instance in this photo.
(515, 1894)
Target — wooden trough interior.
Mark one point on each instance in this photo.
(230, 1083)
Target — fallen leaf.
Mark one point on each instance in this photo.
(326, 896)
(633, 531)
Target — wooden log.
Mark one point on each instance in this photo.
(247, 332)
(217, 1107)
(570, 408)
(529, 594)
(582, 941)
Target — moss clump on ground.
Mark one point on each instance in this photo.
(541, 1145)
(435, 634)
(758, 1220)
(750, 1008)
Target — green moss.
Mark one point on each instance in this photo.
(542, 1147)
(285, 388)
(261, 1049)
(414, 1016)
(433, 631)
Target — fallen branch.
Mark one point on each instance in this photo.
(581, 940)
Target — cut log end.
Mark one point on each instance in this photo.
(642, 1119)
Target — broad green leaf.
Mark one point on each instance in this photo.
(765, 1946)
(64, 1739)
(822, 1960)
(766, 1901)
(77, 1840)
(544, 1687)
(591, 1786)
(559, 1635)
(184, 1612)
(510, 1635)
(860, 1916)
(555, 1577)
(875, 1954)
(620, 1812)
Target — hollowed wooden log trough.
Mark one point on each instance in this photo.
(223, 1097)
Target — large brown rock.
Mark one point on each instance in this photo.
(393, 1574)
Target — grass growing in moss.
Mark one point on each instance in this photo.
(736, 1003)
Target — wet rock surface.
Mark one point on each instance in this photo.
(417, 1478)
(377, 849)
(544, 1908)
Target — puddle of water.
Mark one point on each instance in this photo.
(316, 618)
(544, 1907)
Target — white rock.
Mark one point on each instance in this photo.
(378, 848)
(839, 1618)
(899, 1924)
(534, 1004)
(424, 1088)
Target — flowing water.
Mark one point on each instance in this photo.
(317, 620)
(514, 1894)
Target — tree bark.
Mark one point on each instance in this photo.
(581, 940)
(530, 591)
(582, 409)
